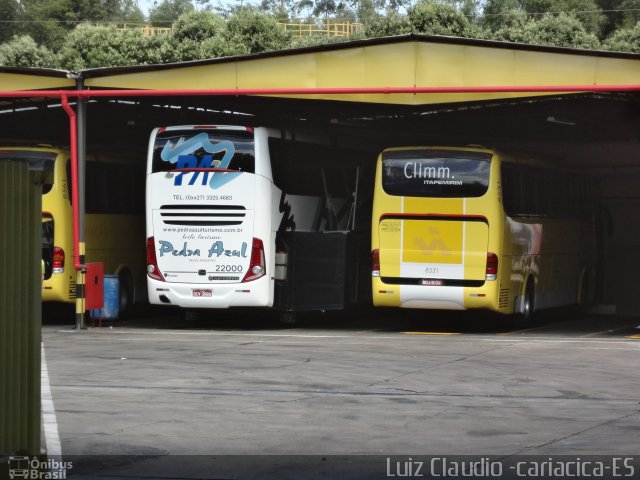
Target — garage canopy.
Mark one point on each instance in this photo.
(596, 132)
(584, 128)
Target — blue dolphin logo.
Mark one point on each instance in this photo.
(201, 140)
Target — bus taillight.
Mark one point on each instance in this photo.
(492, 266)
(152, 263)
(257, 267)
(57, 260)
(375, 263)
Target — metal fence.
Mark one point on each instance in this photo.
(330, 28)
(20, 307)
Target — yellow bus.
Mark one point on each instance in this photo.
(471, 228)
(114, 221)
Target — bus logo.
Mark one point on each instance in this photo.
(437, 244)
(182, 156)
(419, 170)
(18, 467)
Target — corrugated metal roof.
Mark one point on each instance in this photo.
(398, 39)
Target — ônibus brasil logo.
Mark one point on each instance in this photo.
(35, 468)
(182, 156)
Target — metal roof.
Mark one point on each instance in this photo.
(399, 61)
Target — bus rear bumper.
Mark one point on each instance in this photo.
(434, 297)
(189, 295)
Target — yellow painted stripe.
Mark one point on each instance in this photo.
(431, 333)
(609, 331)
(634, 337)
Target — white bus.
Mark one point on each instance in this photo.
(216, 220)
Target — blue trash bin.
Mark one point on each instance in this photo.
(111, 307)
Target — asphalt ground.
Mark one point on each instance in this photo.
(152, 392)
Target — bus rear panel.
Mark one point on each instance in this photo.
(208, 218)
(432, 241)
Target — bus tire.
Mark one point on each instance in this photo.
(188, 315)
(583, 297)
(525, 317)
(288, 318)
(126, 292)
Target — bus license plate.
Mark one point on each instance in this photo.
(202, 293)
(432, 283)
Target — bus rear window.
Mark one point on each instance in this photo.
(435, 173)
(47, 243)
(38, 160)
(200, 148)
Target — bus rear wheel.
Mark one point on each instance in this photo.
(288, 318)
(525, 317)
(125, 293)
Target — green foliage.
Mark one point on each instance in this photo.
(22, 51)
(500, 14)
(47, 22)
(92, 47)
(314, 40)
(198, 26)
(624, 40)
(166, 12)
(586, 11)
(384, 26)
(631, 15)
(9, 14)
(257, 31)
(223, 47)
(436, 18)
(431, 17)
(553, 30)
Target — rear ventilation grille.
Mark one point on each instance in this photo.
(203, 215)
(504, 298)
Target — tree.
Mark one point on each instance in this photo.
(624, 40)
(200, 35)
(385, 26)
(498, 14)
(619, 14)
(586, 11)
(166, 12)
(554, 30)
(198, 26)
(48, 21)
(259, 32)
(91, 47)
(8, 14)
(435, 18)
(130, 12)
(22, 51)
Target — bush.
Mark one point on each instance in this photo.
(392, 24)
(91, 47)
(257, 31)
(434, 18)
(561, 30)
(22, 51)
(198, 26)
(624, 40)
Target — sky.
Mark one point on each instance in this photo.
(145, 5)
